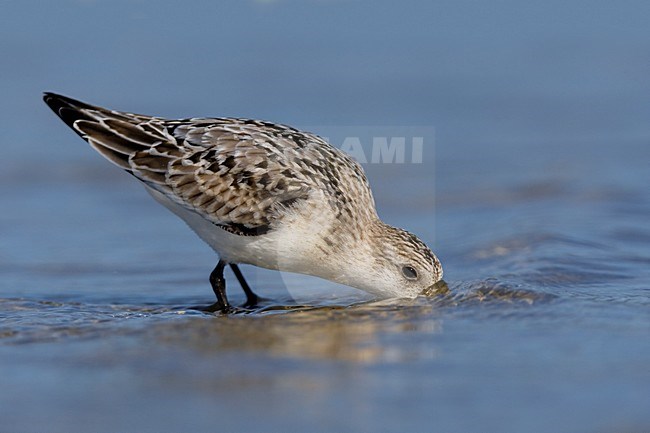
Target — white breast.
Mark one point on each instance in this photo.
(292, 247)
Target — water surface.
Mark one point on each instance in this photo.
(533, 191)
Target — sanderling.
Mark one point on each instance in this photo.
(263, 194)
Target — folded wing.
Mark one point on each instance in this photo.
(242, 175)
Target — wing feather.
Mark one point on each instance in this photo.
(241, 175)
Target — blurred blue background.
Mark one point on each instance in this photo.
(540, 177)
(478, 71)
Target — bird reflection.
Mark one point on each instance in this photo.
(356, 333)
(393, 330)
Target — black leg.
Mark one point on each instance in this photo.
(218, 283)
(251, 297)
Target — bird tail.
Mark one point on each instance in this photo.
(114, 134)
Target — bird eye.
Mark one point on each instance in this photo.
(409, 273)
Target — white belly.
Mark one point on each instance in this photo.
(290, 247)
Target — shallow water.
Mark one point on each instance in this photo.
(535, 197)
(543, 326)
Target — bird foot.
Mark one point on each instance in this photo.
(251, 302)
(217, 307)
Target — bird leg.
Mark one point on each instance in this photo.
(218, 283)
(251, 298)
